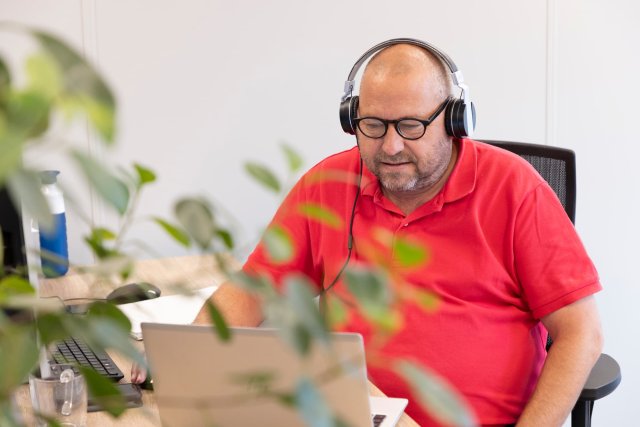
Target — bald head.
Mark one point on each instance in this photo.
(404, 61)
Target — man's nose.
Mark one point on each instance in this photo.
(392, 142)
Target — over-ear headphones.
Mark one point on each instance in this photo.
(460, 114)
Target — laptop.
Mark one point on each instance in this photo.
(200, 380)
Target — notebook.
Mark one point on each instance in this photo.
(200, 380)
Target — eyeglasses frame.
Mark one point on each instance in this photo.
(395, 123)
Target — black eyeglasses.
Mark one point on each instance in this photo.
(409, 128)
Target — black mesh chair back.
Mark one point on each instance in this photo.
(558, 167)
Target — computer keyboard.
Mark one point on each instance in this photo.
(74, 351)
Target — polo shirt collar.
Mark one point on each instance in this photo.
(461, 182)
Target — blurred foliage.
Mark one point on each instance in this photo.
(60, 83)
(435, 395)
(268, 179)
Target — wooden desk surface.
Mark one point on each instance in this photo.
(193, 272)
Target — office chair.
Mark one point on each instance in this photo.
(558, 167)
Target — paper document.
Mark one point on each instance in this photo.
(174, 309)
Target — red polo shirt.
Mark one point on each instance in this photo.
(501, 255)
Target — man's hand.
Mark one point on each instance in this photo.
(138, 374)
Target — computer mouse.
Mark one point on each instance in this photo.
(147, 384)
(133, 292)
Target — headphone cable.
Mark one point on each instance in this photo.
(323, 302)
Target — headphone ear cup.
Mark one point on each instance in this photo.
(460, 119)
(348, 112)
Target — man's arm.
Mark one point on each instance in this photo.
(577, 344)
(237, 306)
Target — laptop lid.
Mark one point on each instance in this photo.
(201, 381)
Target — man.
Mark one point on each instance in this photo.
(503, 255)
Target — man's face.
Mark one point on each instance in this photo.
(404, 165)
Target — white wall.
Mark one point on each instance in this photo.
(596, 115)
(204, 85)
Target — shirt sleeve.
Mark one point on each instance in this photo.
(551, 262)
(290, 228)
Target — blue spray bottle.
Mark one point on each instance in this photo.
(53, 242)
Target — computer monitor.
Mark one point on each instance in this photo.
(21, 246)
(20, 241)
(14, 256)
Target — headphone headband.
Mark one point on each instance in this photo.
(456, 74)
(460, 117)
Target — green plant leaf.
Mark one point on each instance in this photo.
(219, 325)
(100, 116)
(371, 289)
(337, 313)
(96, 241)
(226, 237)
(23, 115)
(196, 217)
(53, 259)
(102, 332)
(100, 309)
(104, 326)
(278, 244)
(436, 396)
(103, 234)
(300, 298)
(298, 337)
(25, 186)
(11, 158)
(320, 214)
(369, 286)
(82, 82)
(258, 381)
(294, 161)
(15, 285)
(5, 82)
(43, 75)
(257, 284)
(51, 327)
(312, 406)
(28, 114)
(428, 301)
(263, 175)
(178, 235)
(104, 392)
(30, 303)
(111, 189)
(408, 253)
(48, 419)
(145, 175)
(18, 356)
(280, 314)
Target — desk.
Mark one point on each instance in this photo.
(192, 272)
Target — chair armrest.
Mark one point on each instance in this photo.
(603, 379)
